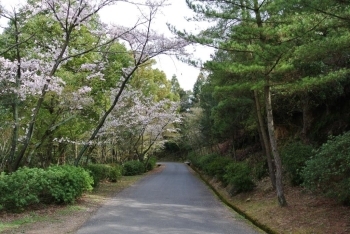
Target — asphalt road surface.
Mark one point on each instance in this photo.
(173, 201)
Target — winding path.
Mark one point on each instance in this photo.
(173, 201)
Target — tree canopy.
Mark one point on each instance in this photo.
(63, 72)
(290, 56)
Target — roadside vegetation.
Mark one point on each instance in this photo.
(316, 186)
(273, 98)
(28, 187)
(78, 106)
(48, 218)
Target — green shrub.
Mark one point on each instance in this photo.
(98, 172)
(328, 172)
(133, 168)
(294, 157)
(238, 175)
(216, 167)
(259, 169)
(193, 158)
(66, 183)
(21, 188)
(205, 160)
(101, 172)
(3, 189)
(152, 161)
(115, 172)
(29, 186)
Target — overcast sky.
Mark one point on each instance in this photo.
(175, 13)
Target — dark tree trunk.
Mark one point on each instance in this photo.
(279, 183)
(265, 140)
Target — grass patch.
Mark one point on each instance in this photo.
(14, 224)
(71, 208)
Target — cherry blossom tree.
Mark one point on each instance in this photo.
(20, 76)
(144, 44)
(34, 64)
(140, 122)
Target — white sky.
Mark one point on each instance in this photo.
(175, 13)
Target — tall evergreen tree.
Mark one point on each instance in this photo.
(250, 30)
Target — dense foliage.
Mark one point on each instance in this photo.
(328, 172)
(30, 186)
(229, 172)
(277, 83)
(151, 163)
(64, 70)
(238, 174)
(294, 157)
(133, 167)
(101, 172)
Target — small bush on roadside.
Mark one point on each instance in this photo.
(133, 167)
(21, 188)
(238, 175)
(259, 170)
(294, 157)
(193, 158)
(115, 172)
(205, 160)
(216, 167)
(98, 172)
(66, 183)
(328, 172)
(152, 161)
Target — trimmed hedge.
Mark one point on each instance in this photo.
(29, 186)
(115, 172)
(21, 188)
(66, 183)
(101, 172)
(133, 167)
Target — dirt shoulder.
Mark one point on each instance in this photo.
(55, 219)
(306, 213)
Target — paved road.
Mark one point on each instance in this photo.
(171, 202)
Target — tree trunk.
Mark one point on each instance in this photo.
(49, 151)
(36, 110)
(273, 142)
(61, 153)
(14, 140)
(270, 125)
(265, 140)
(103, 119)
